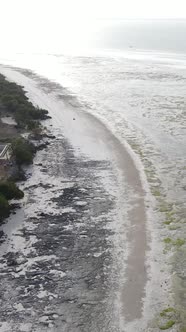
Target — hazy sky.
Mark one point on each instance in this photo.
(39, 20)
(93, 8)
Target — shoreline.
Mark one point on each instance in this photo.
(126, 168)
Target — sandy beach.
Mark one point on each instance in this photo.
(83, 235)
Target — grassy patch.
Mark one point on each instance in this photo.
(166, 208)
(169, 217)
(156, 193)
(167, 222)
(179, 242)
(170, 214)
(167, 311)
(167, 325)
(167, 240)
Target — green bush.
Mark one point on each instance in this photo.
(38, 113)
(33, 125)
(9, 190)
(23, 151)
(4, 207)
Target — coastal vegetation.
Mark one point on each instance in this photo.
(166, 311)
(4, 208)
(170, 317)
(23, 151)
(15, 104)
(8, 191)
(168, 325)
(177, 242)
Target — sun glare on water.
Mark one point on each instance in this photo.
(50, 26)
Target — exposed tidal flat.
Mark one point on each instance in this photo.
(116, 226)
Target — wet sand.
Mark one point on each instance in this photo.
(115, 197)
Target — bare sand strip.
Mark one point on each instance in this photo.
(133, 290)
(93, 138)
